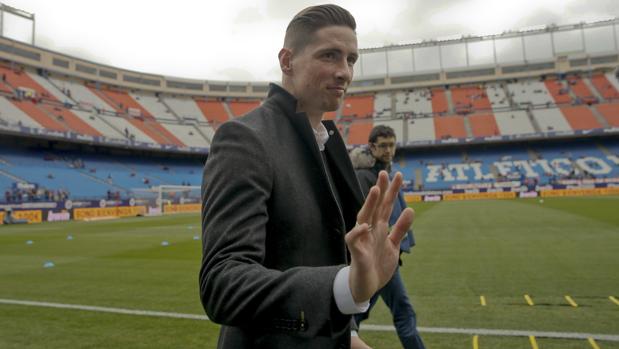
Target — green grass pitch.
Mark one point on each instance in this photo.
(501, 249)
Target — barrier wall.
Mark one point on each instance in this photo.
(80, 214)
(33, 216)
(182, 208)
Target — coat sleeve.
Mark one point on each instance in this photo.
(235, 287)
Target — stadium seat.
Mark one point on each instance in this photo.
(418, 101)
(604, 87)
(484, 125)
(496, 95)
(449, 127)
(580, 118)
(439, 101)
(528, 91)
(580, 89)
(513, 123)
(358, 106)
(551, 120)
(610, 112)
(558, 90)
(241, 107)
(213, 111)
(382, 105)
(421, 129)
(359, 132)
(469, 98)
(138, 116)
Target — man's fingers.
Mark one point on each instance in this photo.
(383, 184)
(402, 225)
(390, 196)
(355, 234)
(369, 206)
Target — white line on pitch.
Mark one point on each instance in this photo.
(384, 328)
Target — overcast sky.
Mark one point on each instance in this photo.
(239, 39)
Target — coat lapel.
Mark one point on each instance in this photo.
(336, 150)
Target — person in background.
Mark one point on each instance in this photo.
(368, 163)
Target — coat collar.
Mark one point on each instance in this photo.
(334, 148)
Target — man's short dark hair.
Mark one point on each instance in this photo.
(380, 131)
(308, 21)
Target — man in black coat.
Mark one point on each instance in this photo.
(282, 206)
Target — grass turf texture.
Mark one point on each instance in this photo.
(499, 249)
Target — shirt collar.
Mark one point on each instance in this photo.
(322, 136)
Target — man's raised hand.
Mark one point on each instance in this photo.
(373, 248)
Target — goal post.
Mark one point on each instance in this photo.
(167, 199)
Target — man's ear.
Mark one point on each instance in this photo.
(285, 60)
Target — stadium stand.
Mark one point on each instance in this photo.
(11, 114)
(483, 125)
(496, 95)
(551, 120)
(610, 112)
(450, 133)
(382, 105)
(514, 123)
(152, 105)
(242, 107)
(439, 101)
(604, 86)
(449, 127)
(361, 106)
(526, 92)
(580, 118)
(183, 107)
(417, 101)
(359, 132)
(540, 163)
(421, 130)
(213, 111)
(580, 89)
(559, 90)
(470, 98)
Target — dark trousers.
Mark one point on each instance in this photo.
(404, 318)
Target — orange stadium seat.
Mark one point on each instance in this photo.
(242, 107)
(439, 101)
(580, 118)
(604, 87)
(213, 110)
(21, 79)
(581, 90)
(359, 132)
(469, 99)
(70, 119)
(484, 125)
(449, 127)
(5, 88)
(558, 91)
(31, 109)
(121, 101)
(358, 106)
(610, 112)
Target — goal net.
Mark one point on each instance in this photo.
(167, 199)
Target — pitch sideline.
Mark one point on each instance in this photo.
(382, 328)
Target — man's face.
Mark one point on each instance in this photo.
(383, 149)
(323, 70)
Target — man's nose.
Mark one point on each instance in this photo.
(344, 71)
